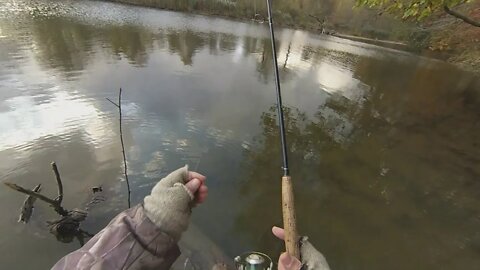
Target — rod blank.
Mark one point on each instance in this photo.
(281, 121)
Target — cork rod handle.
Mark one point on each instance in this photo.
(289, 218)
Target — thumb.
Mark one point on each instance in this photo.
(287, 262)
(177, 176)
(193, 185)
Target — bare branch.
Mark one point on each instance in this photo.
(119, 106)
(461, 16)
(116, 105)
(123, 145)
(59, 183)
(125, 172)
(54, 203)
(27, 207)
(317, 18)
(30, 193)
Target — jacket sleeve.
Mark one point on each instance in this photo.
(130, 241)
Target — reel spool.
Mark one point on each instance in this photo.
(253, 261)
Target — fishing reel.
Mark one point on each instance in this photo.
(253, 261)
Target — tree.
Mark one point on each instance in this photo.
(418, 9)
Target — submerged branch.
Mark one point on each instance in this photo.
(59, 199)
(30, 193)
(54, 203)
(461, 16)
(67, 227)
(27, 207)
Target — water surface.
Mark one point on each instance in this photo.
(384, 144)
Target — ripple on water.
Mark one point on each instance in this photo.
(30, 119)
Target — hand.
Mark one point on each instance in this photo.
(311, 257)
(196, 185)
(285, 262)
(170, 202)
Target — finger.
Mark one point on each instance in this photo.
(202, 189)
(201, 198)
(192, 175)
(287, 262)
(202, 194)
(193, 185)
(178, 176)
(278, 232)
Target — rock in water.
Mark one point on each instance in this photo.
(27, 208)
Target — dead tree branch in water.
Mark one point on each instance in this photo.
(59, 199)
(68, 226)
(30, 193)
(119, 106)
(27, 207)
(55, 203)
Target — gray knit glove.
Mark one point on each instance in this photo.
(312, 259)
(169, 204)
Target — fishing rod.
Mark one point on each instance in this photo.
(288, 206)
(257, 260)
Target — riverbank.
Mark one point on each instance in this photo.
(337, 17)
(379, 42)
(460, 42)
(457, 43)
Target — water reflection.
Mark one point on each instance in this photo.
(130, 41)
(61, 44)
(28, 120)
(384, 144)
(185, 44)
(67, 44)
(352, 161)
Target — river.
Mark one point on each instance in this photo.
(384, 144)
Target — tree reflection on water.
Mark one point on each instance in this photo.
(394, 173)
